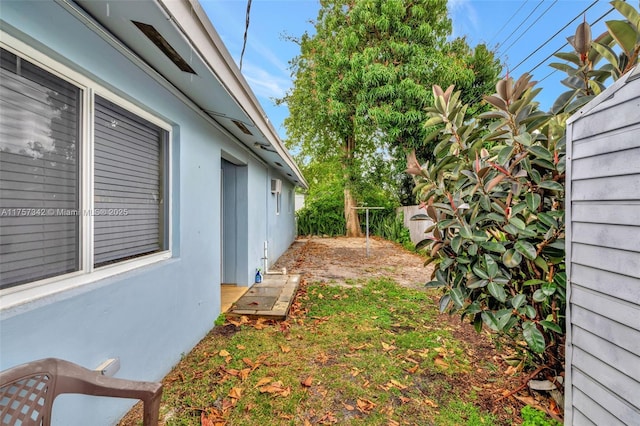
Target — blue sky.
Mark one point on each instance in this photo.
(516, 27)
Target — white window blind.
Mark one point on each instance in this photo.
(39, 169)
(128, 184)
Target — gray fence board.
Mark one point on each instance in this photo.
(611, 212)
(599, 280)
(607, 306)
(622, 237)
(620, 408)
(616, 140)
(610, 378)
(607, 259)
(609, 188)
(622, 360)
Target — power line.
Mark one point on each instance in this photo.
(567, 43)
(519, 26)
(246, 30)
(555, 35)
(530, 25)
(507, 21)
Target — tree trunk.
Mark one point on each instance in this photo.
(351, 215)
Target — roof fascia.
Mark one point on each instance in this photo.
(191, 19)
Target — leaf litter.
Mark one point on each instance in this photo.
(425, 382)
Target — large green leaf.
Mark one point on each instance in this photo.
(497, 291)
(479, 272)
(533, 337)
(540, 151)
(551, 184)
(548, 288)
(518, 300)
(457, 297)
(492, 266)
(493, 246)
(628, 11)
(625, 35)
(511, 258)
(444, 303)
(548, 325)
(539, 296)
(607, 53)
(434, 284)
(526, 249)
(533, 201)
(477, 284)
(562, 101)
(490, 319)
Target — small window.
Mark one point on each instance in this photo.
(39, 183)
(129, 190)
(45, 221)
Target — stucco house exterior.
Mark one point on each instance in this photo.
(138, 172)
(602, 373)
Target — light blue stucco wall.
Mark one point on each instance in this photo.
(150, 316)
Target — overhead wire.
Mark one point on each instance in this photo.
(246, 31)
(519, 26)
(531, 25)
(507, 21)
(555, 35)
(566, 43)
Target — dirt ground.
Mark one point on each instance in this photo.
(340, 259)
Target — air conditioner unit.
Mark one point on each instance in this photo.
(276, 186)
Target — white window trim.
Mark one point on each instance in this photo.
(29, 292)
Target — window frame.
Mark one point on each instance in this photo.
(87, 273)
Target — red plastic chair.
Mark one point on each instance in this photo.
(27, 391)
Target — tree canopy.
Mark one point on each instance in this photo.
(362, 82)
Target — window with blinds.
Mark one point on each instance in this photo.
(46, 226)
(39, 173)
(128, 188)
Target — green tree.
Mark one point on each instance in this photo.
(363, 79)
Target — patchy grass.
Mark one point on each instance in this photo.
(370, 353)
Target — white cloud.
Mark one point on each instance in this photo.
(464, 16)
(264, 83)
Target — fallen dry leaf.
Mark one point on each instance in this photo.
(430, 403)
(404, 399)
(244, 374)
(387, 347)
(348, 407)
(212, 419)
(307, 382)
(413, 369)
(235, 393)
(264, 381)
(241, 347)
(285, 349)
(440, 363)
(223, 353)
(275, 388)
(398, 384)
(365, 405)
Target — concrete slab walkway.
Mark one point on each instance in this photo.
(269, 299)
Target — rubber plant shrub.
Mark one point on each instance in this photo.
(495, 192)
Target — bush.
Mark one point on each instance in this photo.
(495, 192)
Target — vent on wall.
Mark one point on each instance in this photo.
(276, 186)
(164, 46)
